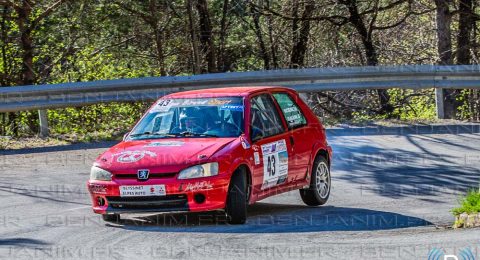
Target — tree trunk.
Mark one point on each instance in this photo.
(465, 26)
(444, 40)
(295, 32)
(273, 45)
(158, 34)
(297, 58)
(206, 36)
(4, 80)
(193, 36)
(464, 48)
(160, 53)
(370, 52)
(28, 75)
(444, 32)
(223, 36)
(261, 42)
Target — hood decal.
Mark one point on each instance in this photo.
(132, 156)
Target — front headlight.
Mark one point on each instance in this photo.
(100, 174)
(197, 171)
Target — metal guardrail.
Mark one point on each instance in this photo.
(49, 96)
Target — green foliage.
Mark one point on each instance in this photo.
(413, 105)
(95, 122)
(469, 204)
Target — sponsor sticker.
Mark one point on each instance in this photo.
(275, 163)
(215, 101)
(133, 156)
(201, 185)
(98, 188)
(238, 108)
(163, 105)
(256, 157)
(142, 190)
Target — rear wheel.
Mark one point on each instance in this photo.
(236, 208)
(111, 217)
(320, 184)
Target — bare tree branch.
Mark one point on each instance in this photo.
(401, 20)
(99, 50)
(147, 18)
(46, 13)
(8, 3)
(374, 18)
(385, 8)
(334, 19)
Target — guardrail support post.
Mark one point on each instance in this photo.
(43, 118)
(439, 103)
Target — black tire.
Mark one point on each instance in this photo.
(315, 195)
(111, 217)
(236, 208)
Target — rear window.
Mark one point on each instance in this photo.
(290, 110)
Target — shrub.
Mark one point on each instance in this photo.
(469, 204)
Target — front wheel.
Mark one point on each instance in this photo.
(319, 190)
(236, 208)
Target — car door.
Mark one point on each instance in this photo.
(270, 144)
(299, 134)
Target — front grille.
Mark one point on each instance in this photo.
(150, 202)
(150, 176)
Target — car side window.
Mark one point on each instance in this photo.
(290, 110)
(264, 118)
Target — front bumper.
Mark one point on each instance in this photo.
(201, 194)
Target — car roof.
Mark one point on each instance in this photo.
(225, 92)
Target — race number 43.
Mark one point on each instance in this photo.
(271, 165)
(275, 163)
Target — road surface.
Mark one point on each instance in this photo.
(392, 192)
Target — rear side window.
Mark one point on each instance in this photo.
(290, 110)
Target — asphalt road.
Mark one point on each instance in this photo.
(392, 192)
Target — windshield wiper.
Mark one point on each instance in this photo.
(187, 133)
(153, 134)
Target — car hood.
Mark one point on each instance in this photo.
(160, 154)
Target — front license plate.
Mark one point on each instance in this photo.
(142, 190)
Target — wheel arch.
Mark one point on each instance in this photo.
(322, 150)
(324, 153)
(248, 173)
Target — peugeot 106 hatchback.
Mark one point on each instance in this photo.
(215, 149)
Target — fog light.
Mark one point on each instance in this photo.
(199, 198)
(100, 201)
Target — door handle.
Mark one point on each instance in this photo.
(291, 140)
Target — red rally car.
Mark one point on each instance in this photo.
(215, 149)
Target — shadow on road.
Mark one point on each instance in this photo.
(53, 195)
(276, 218)
(60, 148)
(22, 242)
(406, 130)
(421, 166)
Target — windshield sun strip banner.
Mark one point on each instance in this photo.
(164, 105)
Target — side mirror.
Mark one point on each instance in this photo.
(245, 142)
(125, 136)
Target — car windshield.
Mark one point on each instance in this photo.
(192, 117)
